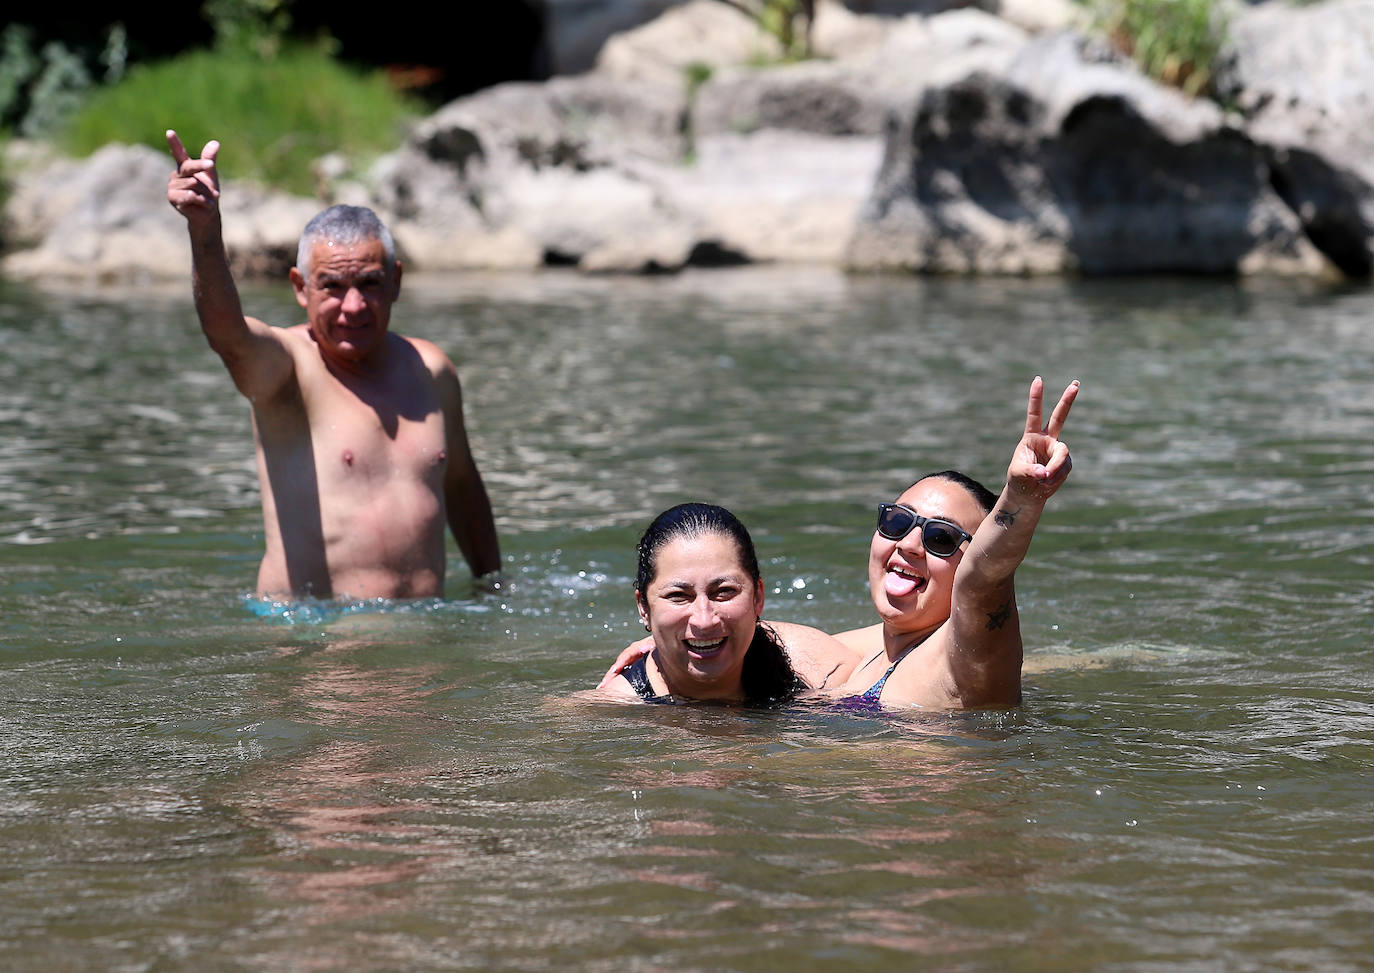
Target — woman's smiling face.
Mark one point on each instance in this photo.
(911, 588)
(702, 609)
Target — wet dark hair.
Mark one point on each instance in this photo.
(767, 677)
(984, 497)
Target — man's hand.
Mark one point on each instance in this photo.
(623, 661)
(1040, 463)
(194, 188)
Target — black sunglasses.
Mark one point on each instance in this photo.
(938, 537)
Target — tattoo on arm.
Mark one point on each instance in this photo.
(1003, 517)
(998, 617)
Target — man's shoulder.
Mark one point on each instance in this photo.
(431, 354)
(294, 336)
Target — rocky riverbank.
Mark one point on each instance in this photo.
(962, 141)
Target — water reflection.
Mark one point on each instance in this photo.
(347, 812)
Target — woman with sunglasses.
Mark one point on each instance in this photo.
(940, 571)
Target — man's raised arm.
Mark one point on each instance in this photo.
(256, 359)
(984, 648)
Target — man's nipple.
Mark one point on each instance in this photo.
(348, 457)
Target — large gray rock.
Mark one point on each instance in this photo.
(103, 218)
(774, 195)
(107, 218)
(1043, 16)
(853, 93)
(585, 122)
(824, 98)
(1305, 77)
(525, 174)
(1066, 163)
(767, 196)
(700, 32)
(952, 142)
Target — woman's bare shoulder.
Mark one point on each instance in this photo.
(862, 640)
(820, 660)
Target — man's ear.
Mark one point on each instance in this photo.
(396, 281)
(298, 282)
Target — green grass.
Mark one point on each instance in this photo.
(1174, 41)
(272, 117)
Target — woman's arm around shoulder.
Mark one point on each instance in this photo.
(821, 661)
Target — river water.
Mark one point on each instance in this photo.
(192, 779)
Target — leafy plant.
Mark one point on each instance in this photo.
(275, 116)
(696, 74)
(255, 26)
(1174, 41)
(38, 91)
(787, 21)
(18, 65)
(57, 91)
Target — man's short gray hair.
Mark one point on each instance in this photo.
(347, 225)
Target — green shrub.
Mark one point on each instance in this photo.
(273, 116)
(1174, 41)
(790, 22)
(786, 21)
(39, 90)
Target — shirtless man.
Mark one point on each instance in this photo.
(361, 449)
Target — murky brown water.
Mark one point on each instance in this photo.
(188, 780)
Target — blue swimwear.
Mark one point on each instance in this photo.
(637, 675)
(871, 698)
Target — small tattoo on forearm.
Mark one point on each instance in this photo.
(998, 618)
(1004, 517)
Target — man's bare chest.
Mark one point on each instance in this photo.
(364, 433)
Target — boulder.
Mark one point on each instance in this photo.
(953, 142)
(434, 208)
(107, 218)
(700, 32)
(899, 8)
(525, 174)
(1042, 16)
(1304, 77)
(824, 98)
(1069, 160)
(774, 195)
(853, 93)
(39, 189)
(585, 122)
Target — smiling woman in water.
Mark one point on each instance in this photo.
(941, 568)
(700, 595)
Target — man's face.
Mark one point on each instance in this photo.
(347, 298)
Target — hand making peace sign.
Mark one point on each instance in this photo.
(1040, 463)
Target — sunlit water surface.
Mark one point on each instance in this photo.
(190, 779)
